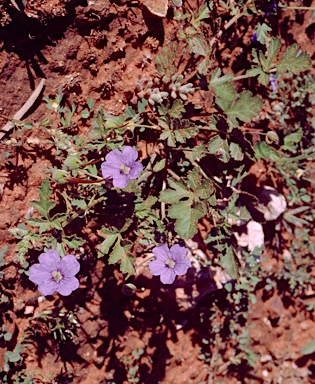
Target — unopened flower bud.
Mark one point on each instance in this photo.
(272, 137)
(60, 176)
(72, 162)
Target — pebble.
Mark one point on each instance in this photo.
(29, 309)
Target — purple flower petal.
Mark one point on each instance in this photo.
(169, 262)
(135, 170)
(67, 285)
(109, 170)
(48, 287)
(115, 158)
(168, 276)
(69, 266)
(38, 274)
(121, 166)
(161, 252)
(130, 155)
(178, 252)
(121, 181)
(49, 260)
(182, 266)
(55, 274)
(157, 267)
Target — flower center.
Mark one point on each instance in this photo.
(57, 276)
(170, 263)
(124, 169)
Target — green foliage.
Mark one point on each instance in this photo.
(262, 32)
(294, 60)
(118, 251)
(188, 202)
(308, 348)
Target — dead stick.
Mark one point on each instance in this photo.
(21, 112)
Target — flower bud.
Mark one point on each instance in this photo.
(272, 137)
(60, 176)
(72, 162)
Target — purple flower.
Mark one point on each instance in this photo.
(121, 166)
(254, 37)
(273, 82)
(54, 273)
(169, 262)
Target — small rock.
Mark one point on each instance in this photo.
(86, 352)
(271, 203)
(275, 306)
(41, 299)
(29, 309)
(287, 255)
(265, 358)
(304, 325)
(265, 373)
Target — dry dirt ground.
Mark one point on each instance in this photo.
(100, 49)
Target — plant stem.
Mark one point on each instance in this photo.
(300, 8)
(77, 214)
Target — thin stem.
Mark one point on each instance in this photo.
(300, 8)
(145, 261)
(77, 214)
(178, 178)
(90, 174)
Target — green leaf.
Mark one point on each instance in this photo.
(120, 254)
(229, 263)
(245, 108)
(7, 336)
(169, 136)
(197, 152)
(174, 195)
(194, 178)
(222, 86)
(164, 62)
(186, 224)
(205, 190)
(45, 224)
(219, 147)
(215, 143)
(294, 61)
(254, 72)
(262, 32)
(105, 246)
(159, 165)
(308, 348)
(85, 113)
(79, 203)
(204, 13)
(273, 50)
(264, 151)
(225, 105)
(291, 139)
(264, 78)
(199, 45)
(3, 251)
(204, 65)
(236, 152)
(44, 205)
(142, 105)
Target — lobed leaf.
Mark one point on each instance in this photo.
(120, 254)
(229, 263)
(294, 61)
(44, 205)
(174, 195)
(245, 108)
(187, 217)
